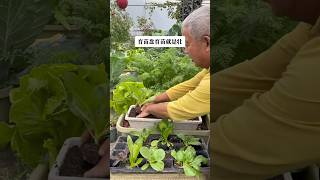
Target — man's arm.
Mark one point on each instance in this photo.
(183, 88)
(163, 97)
(273, 131)
(232, 86)
(193, 104)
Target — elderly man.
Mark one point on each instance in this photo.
(267, 110)
(192, 97)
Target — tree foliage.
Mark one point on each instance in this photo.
(242, 29)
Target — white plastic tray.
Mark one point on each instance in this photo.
(140, 123)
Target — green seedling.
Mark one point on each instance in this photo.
(165, 127)
(134, 149)
(144, 134)
(189, 140)
(189, 161)
(154, 157)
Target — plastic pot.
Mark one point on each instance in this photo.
(54, 173)
(140, 123)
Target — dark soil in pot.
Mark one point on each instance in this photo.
(78, 160)
(178, 146)
(203, 125)
(126, 123)
(134, 112)
(151, 138)
(174, 139)
(163, 146)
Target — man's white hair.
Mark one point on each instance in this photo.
(198, 22)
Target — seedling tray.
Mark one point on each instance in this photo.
(170, 165)
(140, 123)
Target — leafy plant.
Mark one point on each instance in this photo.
(189, 161)
(134, 149)
(162, 70)
(86, 101)
(154, 158)
(165, 127)
(41, 116)
(128, 93)
(89, 16)
(120, 24)
(242, 30)
(189, 140)
(145, 25)
(18, 31)
(144, 134)
(118, 65)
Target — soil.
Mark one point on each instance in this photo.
(174, 139)
(163, 146)
(126, 123)
(177, 146)
(78, 160)
(203, 125)
(134, 112)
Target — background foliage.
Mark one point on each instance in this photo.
(242, 29)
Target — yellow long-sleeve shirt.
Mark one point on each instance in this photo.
(191, 98)
(267, 110)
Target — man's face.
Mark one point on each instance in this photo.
(198, 50)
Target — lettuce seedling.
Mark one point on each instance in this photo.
(144, 134)
(134, 149)
(189, 161)
(165, 127)
(154, 157)
(189, 140)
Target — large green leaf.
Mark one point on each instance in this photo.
(21, 22)
(29, 147)
(159, 154)
(158, 165)
(145, 152)
(88, 102)
(189, 154)
(189, 171)
(196, 163)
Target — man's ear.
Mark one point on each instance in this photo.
(207, 41)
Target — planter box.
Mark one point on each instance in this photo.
(140, 123)
(171, 171)
(205, 134)
(54, 173)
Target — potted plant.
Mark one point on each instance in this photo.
(18, 34)
(89, 103)
(42, 114)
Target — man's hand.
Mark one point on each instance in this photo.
(158, 110)
(102, 168)
(144, 111)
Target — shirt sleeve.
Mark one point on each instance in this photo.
(235, 84)
(181, 89)
(286, 117)
(192, 104)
